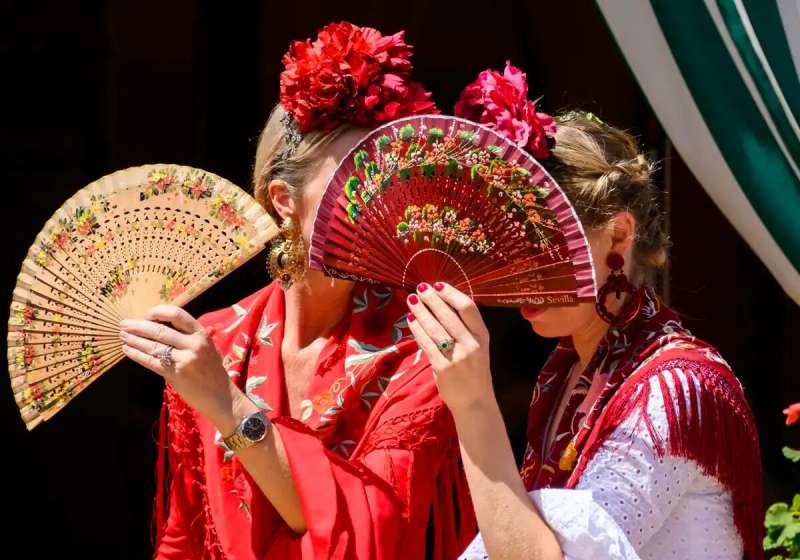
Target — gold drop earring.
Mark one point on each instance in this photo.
(287, 256)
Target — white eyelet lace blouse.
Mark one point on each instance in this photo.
(631, 504)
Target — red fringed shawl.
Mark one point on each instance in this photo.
(713, 426)
(374, 456)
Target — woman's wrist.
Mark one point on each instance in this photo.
(471, 410)
(233, 405)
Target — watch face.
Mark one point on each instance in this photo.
(254, 427)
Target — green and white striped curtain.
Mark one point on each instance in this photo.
(723, 76)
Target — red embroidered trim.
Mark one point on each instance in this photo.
(427, 426)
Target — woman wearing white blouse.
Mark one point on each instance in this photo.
(640, 441)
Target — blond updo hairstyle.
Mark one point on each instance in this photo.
(295, 169)
(602, 172)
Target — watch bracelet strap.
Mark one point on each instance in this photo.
(237, 440)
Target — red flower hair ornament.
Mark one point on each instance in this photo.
(500, 102)
(350, 74)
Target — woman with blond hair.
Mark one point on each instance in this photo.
(299, 424)
(640, 441)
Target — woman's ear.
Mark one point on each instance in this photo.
(281, 198)
(622, 228)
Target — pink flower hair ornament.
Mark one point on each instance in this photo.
(500, 102)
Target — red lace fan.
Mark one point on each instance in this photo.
(433, 197)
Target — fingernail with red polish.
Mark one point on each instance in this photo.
(411, 318)
(413, 299)
(422, 287)
(439, 286)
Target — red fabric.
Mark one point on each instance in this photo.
(372, 429)
(722, 438)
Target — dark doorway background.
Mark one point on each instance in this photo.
(90, 87)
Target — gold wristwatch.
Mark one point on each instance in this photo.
(252, 429)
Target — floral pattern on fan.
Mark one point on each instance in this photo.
(118, 280)
(174, 286)
(133, 239)
(437, 198)
(443, 228)
(461, 156)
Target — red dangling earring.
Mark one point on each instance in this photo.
(617, 283)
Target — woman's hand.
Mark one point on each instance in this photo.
(196, 372)
(441, 313)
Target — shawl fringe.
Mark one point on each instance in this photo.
(179, 436)
(713, 427)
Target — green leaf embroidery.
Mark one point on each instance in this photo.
(367, 397)
(360, 301)
(365, 352)
(241, 313)
(259, 402)
(254, 383)
(384, 296)
(264, 331)
(308, 408)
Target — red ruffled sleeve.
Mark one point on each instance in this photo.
(401, 495)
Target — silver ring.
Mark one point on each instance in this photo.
(165, 357)
(446, 345)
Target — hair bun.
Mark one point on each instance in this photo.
(603, 171)
(637, 170)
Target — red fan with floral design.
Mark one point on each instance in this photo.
(432, 198)
(135, 238)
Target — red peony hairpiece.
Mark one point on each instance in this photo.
(350, 74)
(500, 102)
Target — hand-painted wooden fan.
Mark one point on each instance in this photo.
(433, 198)
(135, 238)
